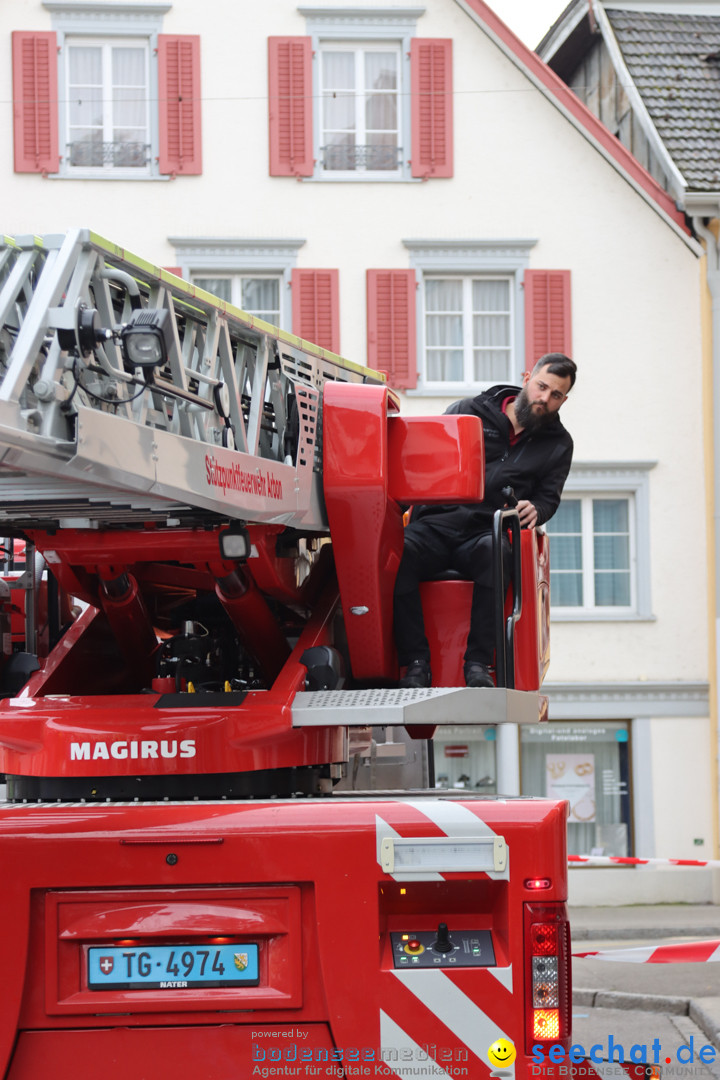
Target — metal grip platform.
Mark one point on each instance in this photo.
(434, 705)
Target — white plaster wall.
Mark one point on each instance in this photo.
(521, 171)
(682, 795)
(616, 887)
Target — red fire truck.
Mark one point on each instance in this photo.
(212, 514)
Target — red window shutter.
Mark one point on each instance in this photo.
(548, 323)
(179, 104)
(290, 105)
(35, 101)
(391, 326)
(432, 106)
(176, 270)
(316, 308)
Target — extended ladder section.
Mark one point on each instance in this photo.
(128, 395)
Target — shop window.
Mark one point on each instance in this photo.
(465, 759)
(587, 764)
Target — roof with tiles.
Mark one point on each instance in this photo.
(674, 60)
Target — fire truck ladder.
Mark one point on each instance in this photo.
(128, 395)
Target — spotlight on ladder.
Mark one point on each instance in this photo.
(145, 338)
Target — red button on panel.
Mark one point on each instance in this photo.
(414, 946)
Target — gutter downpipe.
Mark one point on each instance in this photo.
(712, 276)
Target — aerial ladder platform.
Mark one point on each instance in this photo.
(203, 520)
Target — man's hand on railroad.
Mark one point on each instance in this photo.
(527, 514)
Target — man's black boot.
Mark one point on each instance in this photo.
(477, 674)
(417, 676)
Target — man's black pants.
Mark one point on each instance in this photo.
(431, 550)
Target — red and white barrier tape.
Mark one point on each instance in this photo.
(691, 952)
(626, 860)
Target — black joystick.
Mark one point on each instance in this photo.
(442, 942)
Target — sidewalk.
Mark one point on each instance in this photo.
(691, 990)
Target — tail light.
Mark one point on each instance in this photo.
(547, 975)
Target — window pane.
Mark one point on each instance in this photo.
(444, 330)
(610, 515)
(380, 109)
(566, 589)
(491, 330)
(443, 295)
(381, 71)
(218, 286)
(85, 93)
(566, 552)
(381, 112)
(489, 365)
(85, 65)
(445, 365)
(261, 297)
(338, 70)
(339, 113)
(567, 518)
(566, 579)
(612, 590)
(611, 552)
(129, 110)
(128, 68)
(86, 110)
(491, 295)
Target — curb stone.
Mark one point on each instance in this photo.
(696, 1010)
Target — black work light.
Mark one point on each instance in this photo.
(144, 338)
(235, 542)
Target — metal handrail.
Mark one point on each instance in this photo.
(119, 154)
(506, 521)
(337, 157)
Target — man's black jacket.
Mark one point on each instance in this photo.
(535, 467)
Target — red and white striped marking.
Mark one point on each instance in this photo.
(588, 1070)
(627, 860)
(691, 952)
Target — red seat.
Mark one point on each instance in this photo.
(446, 607)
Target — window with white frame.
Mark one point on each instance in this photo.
(361, 90)
(108, 107)
(259, 295)
(254, 275)
(360, 86)
(599, 543)
(468, 329)
(470, 322)
(109, 64)
(592, 553)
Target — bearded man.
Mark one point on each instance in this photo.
(527, 449)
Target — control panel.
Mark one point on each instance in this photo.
(442, 948)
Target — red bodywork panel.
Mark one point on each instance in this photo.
(348, 977)
(446, 606)
(374, 462)
(301, 879)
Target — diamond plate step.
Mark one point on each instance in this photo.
(434, 705)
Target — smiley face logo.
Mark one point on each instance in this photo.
(502, 1053)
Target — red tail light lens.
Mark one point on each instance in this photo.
(547, 974)
(544, 939)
